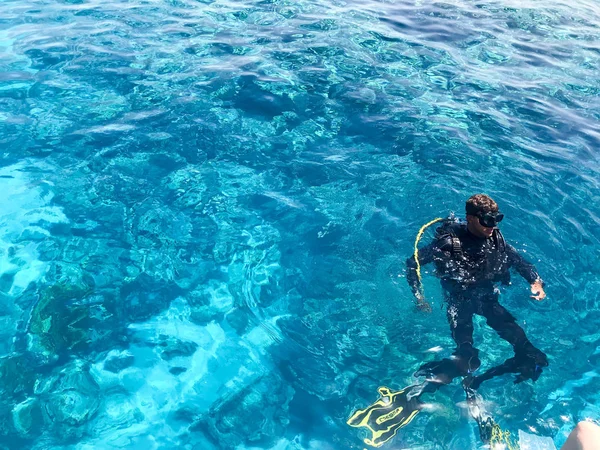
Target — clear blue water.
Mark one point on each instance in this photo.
(206, 207)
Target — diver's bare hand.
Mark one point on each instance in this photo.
(537, 291)
(424, 307)
(422, 304)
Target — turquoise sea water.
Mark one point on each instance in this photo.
(206, 207)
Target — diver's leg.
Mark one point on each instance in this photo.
(504, 323)
(508, 366)
(528, 360)
(477, 410)
(464, 360)
(466, 356)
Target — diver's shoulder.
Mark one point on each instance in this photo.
(456, 229)
(444, 242)
(449, 231)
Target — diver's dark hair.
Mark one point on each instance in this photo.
(480, 204)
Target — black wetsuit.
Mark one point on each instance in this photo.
(469, 268)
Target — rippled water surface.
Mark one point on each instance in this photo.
(206, 207)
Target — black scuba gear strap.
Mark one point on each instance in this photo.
(457, 245)
(499, 240)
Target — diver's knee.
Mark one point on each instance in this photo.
(540, 358)
(529, 352)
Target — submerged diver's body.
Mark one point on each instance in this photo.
(471, 259)
(469, 275)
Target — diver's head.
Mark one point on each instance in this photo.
(482, 215)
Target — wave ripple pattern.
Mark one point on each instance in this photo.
(206, 206)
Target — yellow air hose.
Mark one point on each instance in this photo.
(416, 254)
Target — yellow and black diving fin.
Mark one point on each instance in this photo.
(387, 415)
(489, 431)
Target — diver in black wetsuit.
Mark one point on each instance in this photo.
(470, 258)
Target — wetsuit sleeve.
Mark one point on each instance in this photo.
(437, 249)
(521, 265)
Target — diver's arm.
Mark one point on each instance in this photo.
(524, 267)
(528, 271)
(426, 255)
